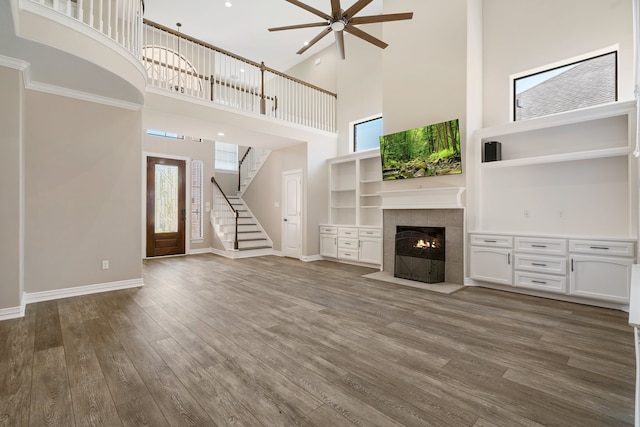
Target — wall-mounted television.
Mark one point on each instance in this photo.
(430, 150)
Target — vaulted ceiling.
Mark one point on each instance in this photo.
(242, 28)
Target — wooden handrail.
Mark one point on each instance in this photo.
(260, 66)
(235, 212)
(205, 78)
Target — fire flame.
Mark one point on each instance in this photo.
(422, 244)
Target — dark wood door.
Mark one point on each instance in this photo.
(166, 214)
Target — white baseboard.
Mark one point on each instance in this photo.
(11, 313)
(311, 258)
(200, 251)
(32, 297)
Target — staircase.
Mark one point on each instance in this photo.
(234, 223)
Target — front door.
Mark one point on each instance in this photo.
(166, 214)
(292, 214)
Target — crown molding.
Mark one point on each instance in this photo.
(82, 96)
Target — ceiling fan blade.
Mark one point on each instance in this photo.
(294, 27)
(340, 43)
(355, 8)
(315, 40)
(381, 18)
(365, 36)
(335, 8)
(311, 9)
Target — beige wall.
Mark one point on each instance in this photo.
(205, 151)
(83, 193)
(11, 188)
(520, 35)
(266, 189)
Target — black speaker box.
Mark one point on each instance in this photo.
(492, 151)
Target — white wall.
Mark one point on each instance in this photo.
(424, 75)
(520, 35)
(83, 198)
(11, 188)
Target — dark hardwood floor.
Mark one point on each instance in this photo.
(273, 341)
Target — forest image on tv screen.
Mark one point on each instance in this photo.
(425, 151)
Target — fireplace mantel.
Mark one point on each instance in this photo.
(423, 198)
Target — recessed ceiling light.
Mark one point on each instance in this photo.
(220, 133)
(242, 70)
(228, 4)
(306, 43)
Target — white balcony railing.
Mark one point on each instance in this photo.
(182, 64)
(120, 20)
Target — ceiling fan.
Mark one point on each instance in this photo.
(343, 20)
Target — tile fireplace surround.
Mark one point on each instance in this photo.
(451, 219)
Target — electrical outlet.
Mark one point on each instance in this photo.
(105, 264)
(526, 213)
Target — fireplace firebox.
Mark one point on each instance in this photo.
(420, 254)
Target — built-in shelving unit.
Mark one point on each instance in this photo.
(355, 181)
(570, 173)
(570, 177)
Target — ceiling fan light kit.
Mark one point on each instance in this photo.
(340, 21)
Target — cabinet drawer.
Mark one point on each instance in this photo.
(348, 232)
(324, 229)
(370, 232)
(548, 265)
(351, 254)
(347, 243)
(491, 240)
(541, 245)
(540, 281)
(602, 247)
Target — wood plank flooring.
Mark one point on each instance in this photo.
(276, 342)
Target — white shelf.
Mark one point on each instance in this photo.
(556, 158)
(354, 180)
(560, 119)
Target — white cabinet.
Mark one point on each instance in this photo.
(540, 263)
(357, 244)
(329, 241)
(598, 271)
(591, 268)
(490, 259)
(370, 245)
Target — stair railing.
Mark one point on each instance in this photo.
(224, 206)
(242, 165)
(249, 164)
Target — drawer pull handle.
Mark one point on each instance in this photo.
(509, 259)
(490, 241)
(600, 247)
(538, 246)
(539, 282)
(537, 264)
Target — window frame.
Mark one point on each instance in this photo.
(215, 160)
(615, 49)
(352, 132)
(194, 189)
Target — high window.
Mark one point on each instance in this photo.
(172, 69)
(226, 156)
(565, 87)
(196, 199)
(366, 134)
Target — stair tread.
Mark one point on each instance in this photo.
(254, 247)
(252, 240)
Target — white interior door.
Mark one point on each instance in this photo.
(292, 214)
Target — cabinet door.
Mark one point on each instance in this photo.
(604, 278)
(491, 265)
(371, 251)
(329, 245)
